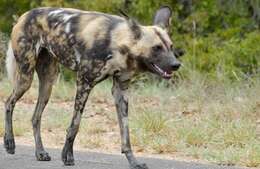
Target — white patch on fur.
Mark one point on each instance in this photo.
(37, 47)
(64, 16)
(10, 64)
(77, 54)
(67, 17)
(51, 51)
(56, 24)
(56, 12)
(41, 40)
(67, 28)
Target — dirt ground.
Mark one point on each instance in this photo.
(53, 136)
(185, 124)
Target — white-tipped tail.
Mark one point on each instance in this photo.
(11, 64)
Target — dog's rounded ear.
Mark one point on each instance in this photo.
(162, 17)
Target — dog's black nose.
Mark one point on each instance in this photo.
(175, 66)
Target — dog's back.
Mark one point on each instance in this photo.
(65, 30)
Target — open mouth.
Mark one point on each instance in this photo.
(161, 72)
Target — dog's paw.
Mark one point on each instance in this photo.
(67, 158)
(9, 144)
(42, 156)
(139, 166)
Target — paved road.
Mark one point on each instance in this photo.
(24, 159)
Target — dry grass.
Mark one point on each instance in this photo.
(195, 118)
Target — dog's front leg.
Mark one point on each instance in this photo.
(119, 92)
(83, 90)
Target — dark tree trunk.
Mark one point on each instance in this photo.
(254, 10)
(187, 8)
(127, 4)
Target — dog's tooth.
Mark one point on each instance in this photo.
(160, 70)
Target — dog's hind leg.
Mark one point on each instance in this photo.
(120, 86)
(47, 70)
(24, 69)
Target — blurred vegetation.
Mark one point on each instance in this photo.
(221, 38)
(209, 112)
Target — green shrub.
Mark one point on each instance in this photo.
(219, 37)
(3, 46)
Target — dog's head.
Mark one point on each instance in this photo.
(153, 47)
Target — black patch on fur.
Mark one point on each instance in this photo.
(25, 68)
(124, 50)
(31, 21)
(141, 64)
(162, 39)
(135, 28)
(101, 48)
(130, 61)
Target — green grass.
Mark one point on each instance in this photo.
(198, 118)
(202, 119)
(1, 127)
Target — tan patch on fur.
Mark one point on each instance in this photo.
(42, 20)
(142, 47)
(92, 30)
(16, 32)
(164, 34)
(122, 36)
(150, 39)
(118, 62)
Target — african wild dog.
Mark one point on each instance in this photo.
(95, 45)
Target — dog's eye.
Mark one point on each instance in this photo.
(158, 48)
